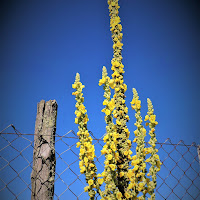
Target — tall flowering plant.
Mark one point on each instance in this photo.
(126, 175)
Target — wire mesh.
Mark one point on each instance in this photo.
(179, 177)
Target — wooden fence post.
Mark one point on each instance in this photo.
(44, 162)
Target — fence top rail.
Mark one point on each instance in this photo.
(167, 141)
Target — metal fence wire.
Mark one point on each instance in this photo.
(179, 177)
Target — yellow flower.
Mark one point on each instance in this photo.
(133, 101)
(119, 195)
(147, 150)
(127, 195)
(113, 147)
(76, 120)
(74, 85)
(82, 151)
(90, 182)
(117, 89)
(144, 131)
(81, 107)
(121, 166)
(127, 117)
(112, 83)
(100, 181)
(85, 120)
(92, 165)
(126, 153)
(102, 81)
(134, 157)
(158, 163)
(133, 107)
(78, 114)
(109, 157)
(131, 185)
(107, 112)
(117, 156)
(81, 163)
(82, 169)
(112, 166)
(146, 118)
(75, 93)
(156, 156)
(105, 137)
(86, 160)
(86, 188)
(105, 102)
(140, 186)
(111, 104)
(148, 160)
(118, 122)
(103, 151)
(152, 118)
(135, 167)
(136, 132)
(115, 63)
(121, 174)
(106, 162)
(135, 140)
(78, 144)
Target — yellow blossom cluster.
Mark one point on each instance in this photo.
(121, 111)
(110, 148)
(137, 173)
(87, 151)
(154, 159)
(124, 175)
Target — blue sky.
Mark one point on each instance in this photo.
(44, 43)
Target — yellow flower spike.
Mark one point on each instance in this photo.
(86, 155)
(154, 159)
(117, 145)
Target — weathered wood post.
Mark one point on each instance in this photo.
(44, 162)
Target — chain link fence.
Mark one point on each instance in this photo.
(179, 177)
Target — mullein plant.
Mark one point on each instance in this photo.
(125, 176)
